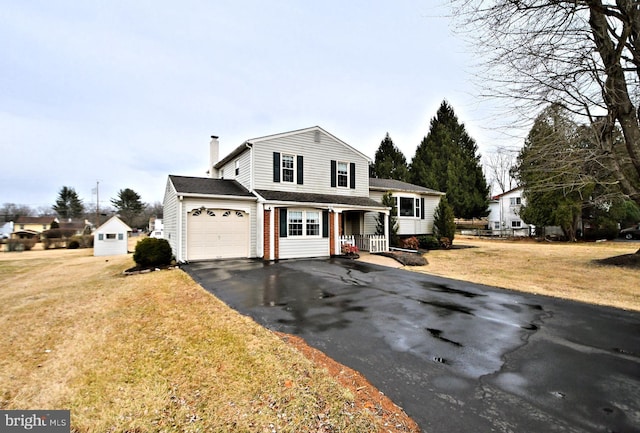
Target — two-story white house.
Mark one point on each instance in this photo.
(288, 195)
(504, 214)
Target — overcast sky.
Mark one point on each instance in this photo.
(125, 93)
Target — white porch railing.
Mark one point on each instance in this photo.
(371, 243)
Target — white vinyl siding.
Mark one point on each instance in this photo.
(317, 164)
(241, 164)
(406, 225)
(170, 218)
(296, 247)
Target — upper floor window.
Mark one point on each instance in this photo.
(288, 168)
(237, 167)
(514, 201)
(343, 174)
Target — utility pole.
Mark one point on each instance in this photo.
(97, 203)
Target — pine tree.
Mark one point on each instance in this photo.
(447, 160)
(68, 205)
(444, 224)
(128, 205)
(390, 162)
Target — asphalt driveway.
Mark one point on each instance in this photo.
(456, 356)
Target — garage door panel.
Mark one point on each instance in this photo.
(217, 234)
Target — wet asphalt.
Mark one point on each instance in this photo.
(456, 356)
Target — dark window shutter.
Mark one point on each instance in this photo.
(283, 222)
(276, 166)
(421, 207)
(300, 170)
(333, 173)
(325, 223)
(352, 175)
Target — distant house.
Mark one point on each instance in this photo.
(31, 227)
(504, 216)
(6, 229)
(111, 238)
(156, 228)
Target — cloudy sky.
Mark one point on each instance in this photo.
(126, 92)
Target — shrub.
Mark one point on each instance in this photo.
(73, 245)
(152, 252)
(428, 242)
(444, 223)
(349, 250)
(20, 244)
(410, 243)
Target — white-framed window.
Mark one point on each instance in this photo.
(408, 207)
(303, 223)
(111, 236)
(496, 225)
(237, 167)
(313, 223)
(294, 223)
(288, 168)
(516, 224)
(515, 201)
(343, 174)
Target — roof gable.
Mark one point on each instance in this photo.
(113, 223)
(253, 141)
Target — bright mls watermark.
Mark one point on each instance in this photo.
(35, 421)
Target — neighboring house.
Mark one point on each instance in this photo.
(156, 228)
(6, 229)
(504, 216)
(288, 195)
(415, 206)
(30, 227)
(111, 238)
(79, 227)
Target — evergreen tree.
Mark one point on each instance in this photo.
(390, 162)
(553, 185)
(444, 224)
(447, 160)
(68, 205)
(389, 201)
(128, 205)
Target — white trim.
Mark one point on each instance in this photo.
(272, 234)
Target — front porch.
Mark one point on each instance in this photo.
(370, 243)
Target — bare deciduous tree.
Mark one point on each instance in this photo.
(499, 166)
(583, 55)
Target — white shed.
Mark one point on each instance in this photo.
(111, 238)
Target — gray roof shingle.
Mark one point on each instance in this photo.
(303, 197)
(396, 185)
(206, 185)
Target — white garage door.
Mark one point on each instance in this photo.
(217, 234)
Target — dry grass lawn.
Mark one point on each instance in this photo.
(558, 269)
(152, 352)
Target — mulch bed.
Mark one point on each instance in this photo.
(407, 259)
(631, 261)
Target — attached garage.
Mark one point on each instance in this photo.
(217, 234)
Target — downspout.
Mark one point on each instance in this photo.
(180, 257)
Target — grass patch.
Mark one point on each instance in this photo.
(562, 270)
(152, 352)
